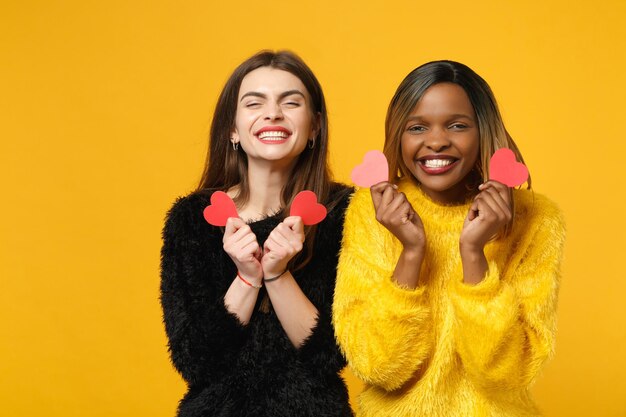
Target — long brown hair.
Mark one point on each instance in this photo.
(492, 133)
(226, 167)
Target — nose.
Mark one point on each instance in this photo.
(274, 112)
(437, 140)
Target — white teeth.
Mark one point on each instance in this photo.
(273, 135)
(437, 163)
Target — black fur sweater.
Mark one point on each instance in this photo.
(247, 370)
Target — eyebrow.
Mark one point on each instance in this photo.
(280, 97)
(452, 116)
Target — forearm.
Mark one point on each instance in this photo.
(407, 271)
(384, 330)
(203, 338)
(501, 339)
(240, 298)
(296, 313)
(474, 263)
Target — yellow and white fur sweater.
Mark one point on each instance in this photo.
(448, 348)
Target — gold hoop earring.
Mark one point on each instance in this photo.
(235, 146)
(311, 143)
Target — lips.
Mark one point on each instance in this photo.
(273, 135)
(437, 164)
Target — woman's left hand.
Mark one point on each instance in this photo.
(283, 243)
(488, 214)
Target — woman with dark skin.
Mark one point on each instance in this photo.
(448, 308)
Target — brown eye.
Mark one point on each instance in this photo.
(416, 128)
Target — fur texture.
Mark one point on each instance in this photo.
(447, 348)
(252, 370)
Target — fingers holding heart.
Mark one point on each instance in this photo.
(489, 213)
(296, 224)
(241, 245)
(283, 243)
(236, 233)
(382, 194)
(243, 249)
(285, 240)
(251, 249)
(499, 200)
(397, 215)
(501, 188)
(401, 206)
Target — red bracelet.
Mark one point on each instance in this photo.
(249, 284)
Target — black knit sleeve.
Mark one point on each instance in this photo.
(204, 338)
(320, 351)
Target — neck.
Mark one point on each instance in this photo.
(266, 181)
(455, 196)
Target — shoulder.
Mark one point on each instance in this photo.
(361, 221)
(186, 215)
(538, 217)
(533, 207)
(361, 206)
(337, 201)
(340, 194)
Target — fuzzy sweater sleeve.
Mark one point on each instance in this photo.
(505, 325)
(385, 331)
(204, 338)
(320, 351)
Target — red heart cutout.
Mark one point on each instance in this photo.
(373, 170)
(306, 206)
(505, 169)
(221, 208)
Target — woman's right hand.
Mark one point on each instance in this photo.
(241, 245)
(395, 212)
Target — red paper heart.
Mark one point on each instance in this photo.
(505, 169)
(221, 208)
(373, 170)
(306, 206)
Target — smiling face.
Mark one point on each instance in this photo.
(274, 118)
(440, 143)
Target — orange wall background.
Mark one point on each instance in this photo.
(104, 113)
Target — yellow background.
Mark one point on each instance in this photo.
(104, 113)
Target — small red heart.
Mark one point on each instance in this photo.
(306, 206)
(373, 170)
(505, 169)
(221, 208)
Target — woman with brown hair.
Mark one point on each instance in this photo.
(247, 307)
(448, 308)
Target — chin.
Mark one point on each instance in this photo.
(275, 156)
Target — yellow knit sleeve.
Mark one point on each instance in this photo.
(505, 326)
(384, 330)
